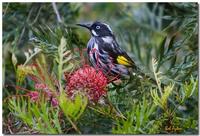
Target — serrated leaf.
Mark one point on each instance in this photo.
(73, 108)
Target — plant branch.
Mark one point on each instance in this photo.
(56, 12)
(154, 62)
(73, 125)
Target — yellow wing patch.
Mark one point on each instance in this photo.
(123, 61)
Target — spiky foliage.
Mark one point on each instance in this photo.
(167, 32)
(37, 110)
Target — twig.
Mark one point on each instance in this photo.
(9, 128)
(73, 125)
(98, 111)
(119, 114)
(117, 111)
(36, 18)
(56, 11)
(4, 13)
(24, 28)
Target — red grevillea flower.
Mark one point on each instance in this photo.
(47, 92)
(34, 95)
(88, 80)
(40, 86)
(43, 87)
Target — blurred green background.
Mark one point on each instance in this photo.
(165, 31)
(139, 27)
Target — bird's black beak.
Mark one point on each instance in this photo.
(88, 26)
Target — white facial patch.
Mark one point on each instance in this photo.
(107, 39)
(108, 27)
(94, 33)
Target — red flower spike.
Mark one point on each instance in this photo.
(90, 81)
(40, 86)
(34, 95)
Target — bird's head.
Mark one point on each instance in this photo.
(98, 29)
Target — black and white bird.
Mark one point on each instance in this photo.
(104, 51)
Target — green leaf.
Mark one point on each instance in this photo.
(56, 121)
(37, 116)
(188, 89)
(162, 49)
(63, 59)
(137, 119)
(161, 100)
(73, 108)
(171, 43)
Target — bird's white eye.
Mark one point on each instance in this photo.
(97, 27)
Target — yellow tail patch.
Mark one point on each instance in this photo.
(123, 61)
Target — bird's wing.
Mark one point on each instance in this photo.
(118, 55)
